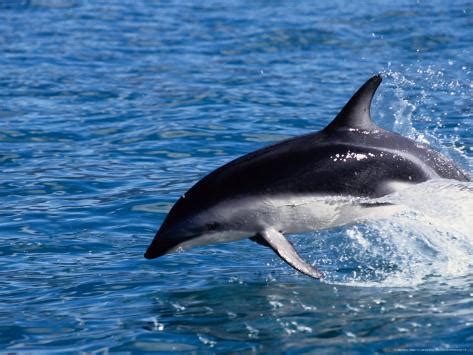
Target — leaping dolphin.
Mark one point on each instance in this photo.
(314, 181)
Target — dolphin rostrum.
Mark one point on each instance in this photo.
(314, 181)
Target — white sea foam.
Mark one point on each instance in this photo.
(432, 237)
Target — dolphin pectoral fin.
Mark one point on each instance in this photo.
(286, 251)
(257, 238)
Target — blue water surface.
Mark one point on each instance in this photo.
(110, 110)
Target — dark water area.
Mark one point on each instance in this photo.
(109, 111)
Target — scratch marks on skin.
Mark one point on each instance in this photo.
(362, 131)
(352, 156)
(400, 156)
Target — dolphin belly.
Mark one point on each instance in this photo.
(288, 214)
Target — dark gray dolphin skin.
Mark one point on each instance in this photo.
(304, 183)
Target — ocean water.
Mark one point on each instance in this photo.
(110, 110)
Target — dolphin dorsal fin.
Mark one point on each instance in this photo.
(356, 112)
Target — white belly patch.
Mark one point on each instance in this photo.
(243, 218)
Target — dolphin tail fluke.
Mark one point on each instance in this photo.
(286, 251)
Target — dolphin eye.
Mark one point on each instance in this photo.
(212, 226)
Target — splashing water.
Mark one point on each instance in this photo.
(432, 235)
(420, 117)
(429, 238)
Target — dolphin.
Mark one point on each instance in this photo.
(310, 182)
